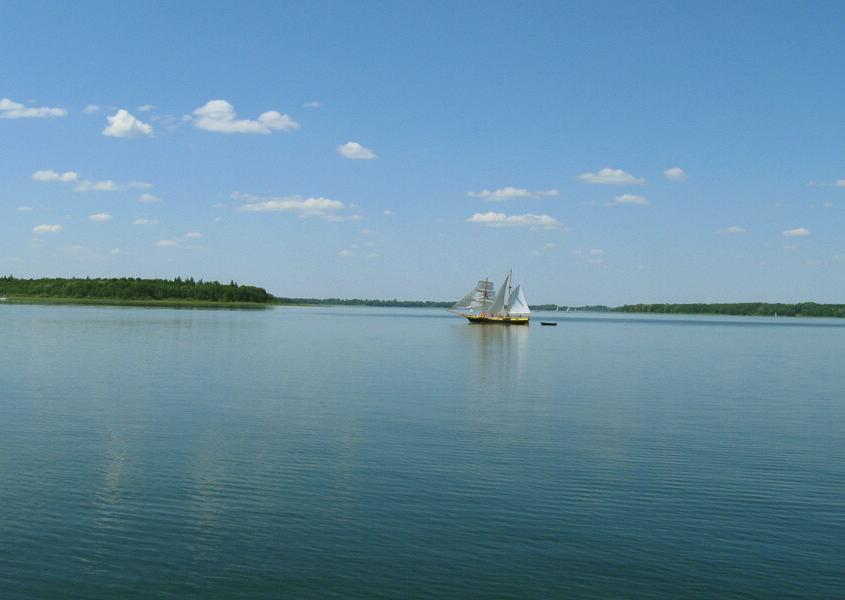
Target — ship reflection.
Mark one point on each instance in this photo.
(499, 355)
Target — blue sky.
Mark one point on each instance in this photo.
(607, 152)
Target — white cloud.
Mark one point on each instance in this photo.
(100, 217)
(548, 246)
(344, 253)
(388, 212)
(193, 235)
(124, 125)
(146, 107)
(608, 176)
(54, 176)
(508, 193)
(494, 219)
(96, 186)
(115, 251)
(629, 199)
(797, 232)
(107, 185)
(15, 110)
(167, 243)
(91, 109)
(840, 183)
(313, 104)
(148, 198)
(596, 252)
(24, 209)
(323, 208)
(732, 230)
(827, 204)
(220, 116)
(675, 174)
(373, 255)
(355, 151)
(814, 262)
(47, 229)
(145, 222)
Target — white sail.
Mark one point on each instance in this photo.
(498, 307)
(518, 305)
(478, 297)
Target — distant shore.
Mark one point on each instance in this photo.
(190, 293)
(119, 302)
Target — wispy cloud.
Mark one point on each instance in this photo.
(220, 116)
(91, 109)
(608, 176)
(675, 174)
(167, 243)
(106, 185)
(146, 107)
(508, 193)
(147, 198)
(797, 232)
(313, 104)
(124, 125)
(24, 209)
(48, 175)
(96, 186)
(495, 219)
(322, 208)
(193, 235)
(732, 230)
(100, 217)
(840, 183)
(355, 151)
(628, 199)
(15, 110)
(145, 222)
(47, 229)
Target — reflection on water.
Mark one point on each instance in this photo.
(502, 348)
(497, 355)
(320, 452)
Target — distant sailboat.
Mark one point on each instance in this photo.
(507, 307)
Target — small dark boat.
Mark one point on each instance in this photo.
(548, 323)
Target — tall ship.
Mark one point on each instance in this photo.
(507, 306)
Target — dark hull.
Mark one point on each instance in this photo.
(478, 320)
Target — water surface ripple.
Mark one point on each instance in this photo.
(378, 453)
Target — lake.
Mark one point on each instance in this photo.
(375, 453)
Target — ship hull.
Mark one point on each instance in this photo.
(479, 320)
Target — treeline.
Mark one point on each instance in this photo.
(756, 309)
(130, 288)
(364, 302)
(556, 307)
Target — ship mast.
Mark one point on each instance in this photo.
(507, 311)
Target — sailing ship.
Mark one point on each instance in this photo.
(507, 306)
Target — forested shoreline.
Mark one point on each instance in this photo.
(133, 289)
(187, 291)
(742, 309)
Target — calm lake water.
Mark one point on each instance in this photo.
(327, 452)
